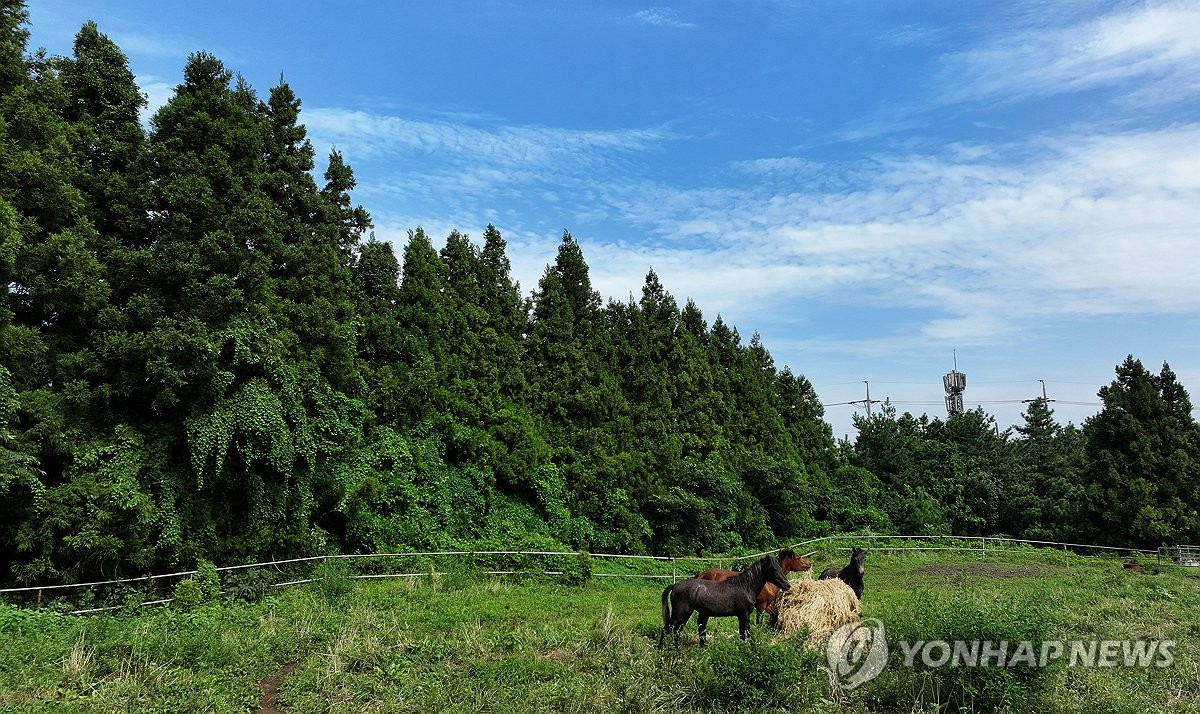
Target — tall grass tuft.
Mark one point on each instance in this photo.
(962, 615)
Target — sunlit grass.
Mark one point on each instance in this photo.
(467, 644)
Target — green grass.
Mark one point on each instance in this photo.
(468, 644)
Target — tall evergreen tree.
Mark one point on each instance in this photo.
(54, 290)
(103, 104)
(220, 350)
(651, 372)
(1045, 500)
(701, 406)
(579, 403)
(1144, 453)
(380, 340)
(893, 449)
(421, 308)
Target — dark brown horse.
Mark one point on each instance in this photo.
(789, 562)
(718, 598)
(851, 573)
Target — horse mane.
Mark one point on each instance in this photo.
(753, 570)
(785, 554)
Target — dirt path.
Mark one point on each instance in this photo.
(269, 704)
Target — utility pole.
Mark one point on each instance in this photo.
(1044, 398)
(868, 401)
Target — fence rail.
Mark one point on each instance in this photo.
(982, 545)
(1188, 555)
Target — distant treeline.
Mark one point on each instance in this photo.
(204, 354)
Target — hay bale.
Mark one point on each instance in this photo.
(817, 608)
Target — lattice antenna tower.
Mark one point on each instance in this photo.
(955, 384)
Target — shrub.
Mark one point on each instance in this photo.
(577, 569)
(332, 578)
(209, 581)
(249, 585)
(754, 675)
(961, 616)
(188, 594)
(458, 572)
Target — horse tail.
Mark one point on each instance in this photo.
(666, 615)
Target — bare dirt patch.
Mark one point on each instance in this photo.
(269, 703)
(980, 570)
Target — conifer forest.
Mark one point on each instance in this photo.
(204, 354)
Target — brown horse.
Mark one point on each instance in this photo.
(789, 562)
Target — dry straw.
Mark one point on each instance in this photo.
(815, 608)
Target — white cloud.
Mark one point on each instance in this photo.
(906, 35)
(158, 92)
(662, 17)
(372, 135)
(1154, 46)
(980, 240)
(155, 44)
(1100, 225)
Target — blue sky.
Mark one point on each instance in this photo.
(874, 187)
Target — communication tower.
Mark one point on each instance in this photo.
(956, 384)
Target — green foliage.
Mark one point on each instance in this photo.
(332, 578)
(209, 580)
(756, 675)
(577, 569)
(455, 573)
(248, 585)
(204, 359)
(961, 615)
(200, 589)
(16, 468)
(188, 594)
(208, 358)
(940, 477)
(1144, 460)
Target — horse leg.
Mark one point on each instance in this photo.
(702, 621)
(683, 613)
(744, 624)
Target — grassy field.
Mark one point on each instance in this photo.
(470, 644)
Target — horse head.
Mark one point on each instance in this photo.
(792, 562)
(776, 576)
(859, 559)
